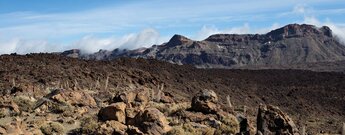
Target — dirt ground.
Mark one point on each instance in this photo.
(314, 99)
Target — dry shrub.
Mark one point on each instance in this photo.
(52, 128)
(88, 125)
(189, 129)
(230, 125)
(24, 103)
(169, 109)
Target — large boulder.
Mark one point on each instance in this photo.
(115, 111)
(152, 121)
(272, 121)
(206, 101)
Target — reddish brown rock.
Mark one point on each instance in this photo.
(112, 127)
(79, 98)
(152, 121)
(115, 111)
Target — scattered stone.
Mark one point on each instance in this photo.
(271, 121)
(111, 128)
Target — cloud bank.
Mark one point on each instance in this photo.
(87, 44)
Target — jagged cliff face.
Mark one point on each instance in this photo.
(291, 44)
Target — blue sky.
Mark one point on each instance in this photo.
(45, 25)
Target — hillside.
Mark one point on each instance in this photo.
(314, 99)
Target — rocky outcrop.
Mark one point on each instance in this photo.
(80, 98)
(205, 101)
(272, 121)
(136, 101)
(131, 109)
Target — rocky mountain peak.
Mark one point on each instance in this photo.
(299, 30)
(226, 37)
(178, 40)
(74, 53)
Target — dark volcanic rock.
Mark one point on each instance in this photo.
(178, 40)
(272, 121)
(205, 101)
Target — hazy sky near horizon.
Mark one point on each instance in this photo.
(28, 26)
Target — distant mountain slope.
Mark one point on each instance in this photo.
(289, 45)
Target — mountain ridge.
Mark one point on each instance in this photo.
(289, 45)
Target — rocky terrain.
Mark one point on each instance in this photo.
(292, 44)
(52, 94)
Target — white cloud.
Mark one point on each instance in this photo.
(337, 29)
(207, 31)
(309, 18)
(145, 38)
(22, 46)
(88, 44)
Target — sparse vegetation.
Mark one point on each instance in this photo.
(169, 109)
(24, 103)
(230, 125)
(88, 125)
(189, 129)
(303, 131)
(52, 128)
